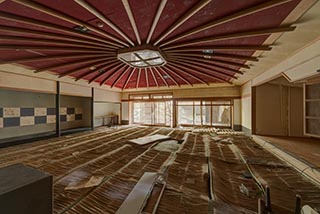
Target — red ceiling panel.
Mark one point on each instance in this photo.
(192, 68)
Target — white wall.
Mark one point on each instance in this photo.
(246, 111)
(104, 109)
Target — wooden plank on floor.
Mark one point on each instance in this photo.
(138, 196)
(149, 139)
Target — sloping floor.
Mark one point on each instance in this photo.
(306, 149)
(203, 174)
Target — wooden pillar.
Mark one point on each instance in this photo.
(92, 108)
(58, 128)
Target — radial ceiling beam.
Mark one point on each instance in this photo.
(95, 12)
(128, 79)
(171, 69)
(120, 76)
(215, 55)
(39, 7)
(205, 67)
(156, 19)
(45, 58)
(183, 19)
(100, 68)
(109, 68)
(182, 69)
(116, 70)
(209, 61)
(63, 65)
(55, 27)
(75, 41)
(132, 21)
(92, 65)
(50, 48)
(229, 18)
(222, 47)
(195, 69)
(246, 34)
(138, 78)
(147, 78)
(165, 82)
(154, 78)
(171, 77)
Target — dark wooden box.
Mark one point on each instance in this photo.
(25, 190)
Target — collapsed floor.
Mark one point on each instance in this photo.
(95, 171)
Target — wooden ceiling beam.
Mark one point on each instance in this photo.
(95, 12)
(205, 67)
(167, 74)
(132, 21)
(183, 19)
(39, 7)
(229, 18)
(240, 35)
(147, 78)
(165, 82)
(156, 19)
(171, 69)
(51, 48)
(120, 76)
(115, 71)
(98, 68)
(182, 69)
(194, 69)
(109, 68)
(138, 78)
(75, 41)
(95, 65)
(154, 78)
(63, 65)
(128, 79)
(221, 47)
(211, 62)
(224, 62)
(214, 55)
(45, 58)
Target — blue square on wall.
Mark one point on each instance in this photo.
(51, 111)
(70, 110)
(63, 118)
(11, 122)
(40, 120)
(27, 112)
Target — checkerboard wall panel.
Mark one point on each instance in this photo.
(29, 116)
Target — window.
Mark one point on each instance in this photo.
(206, 113)
(152, 109)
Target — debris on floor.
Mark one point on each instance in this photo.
(168, 146)
(149, 139)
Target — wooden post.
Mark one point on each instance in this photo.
(298, 204)
(92, 108)
(58, 129)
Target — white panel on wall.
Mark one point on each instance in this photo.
(75, 90)
(125, 111)
(237, 111)
(106, 96)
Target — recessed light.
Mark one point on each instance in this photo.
(207, 51)
(92, 68)
(165, 76)
(99, 24)
(101, 71)
(207, 57)
(82, 29)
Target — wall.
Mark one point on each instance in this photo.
(75, 112)
(246, 110)
(27, 113)
(279, 109)
(22, 88)
(106, 103)
(103, 109)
